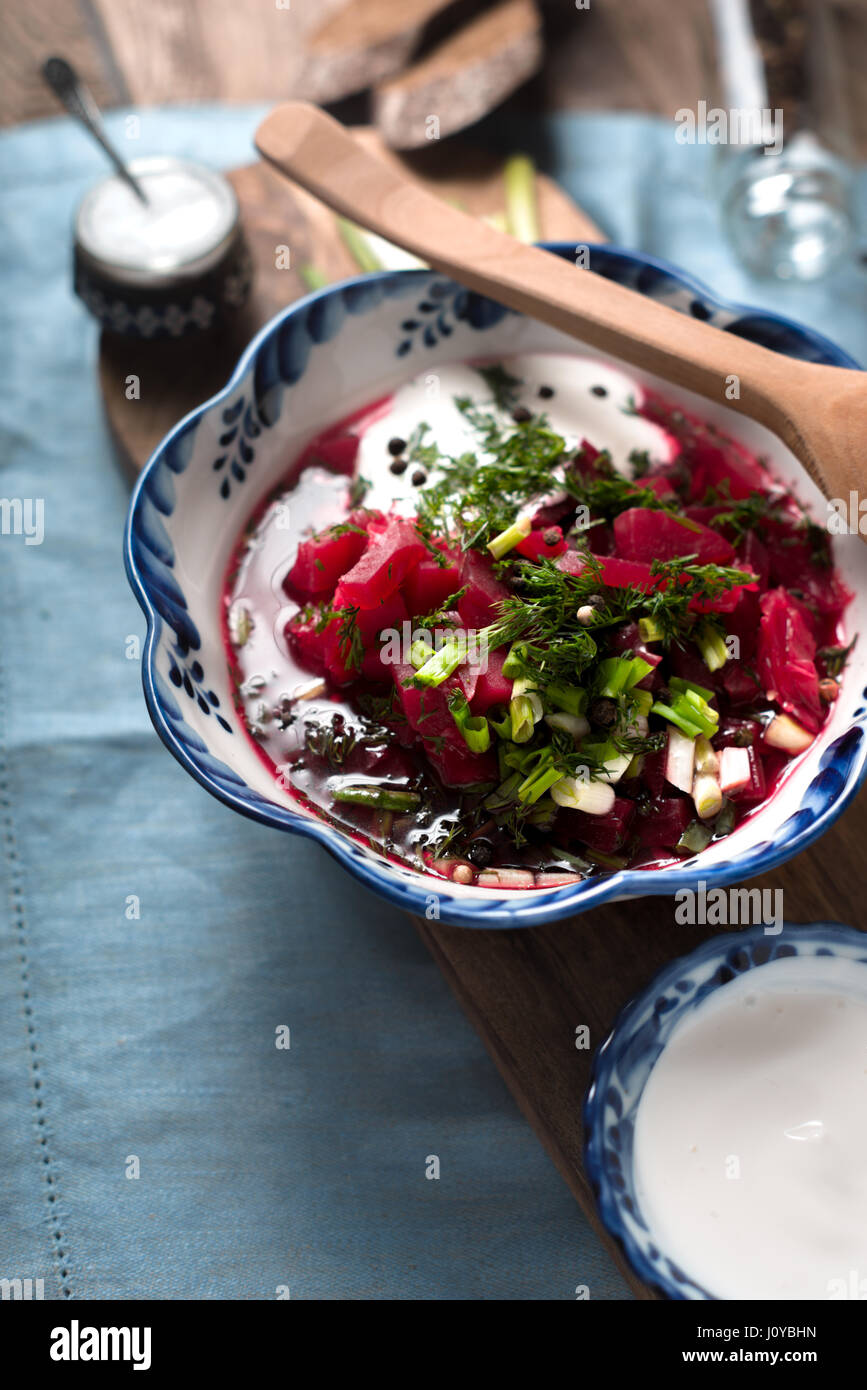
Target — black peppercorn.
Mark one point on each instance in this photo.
(398, 466)
(521, 415)
(480, 853)
(599, 390)
(546, 392)
(419, 476)
(603, 712)
(396, 446)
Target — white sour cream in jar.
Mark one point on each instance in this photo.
(750, 1152)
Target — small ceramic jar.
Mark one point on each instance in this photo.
(173, 266)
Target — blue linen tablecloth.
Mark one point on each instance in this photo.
(156, 1142)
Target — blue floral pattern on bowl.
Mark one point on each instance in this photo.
(324, 356)
(625, 1060)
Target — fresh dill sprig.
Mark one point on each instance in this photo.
(501, 384)
(478, 494)
(417, 452)
(349, 643)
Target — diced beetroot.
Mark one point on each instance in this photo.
(373, 621)
(654, 773)
(545, 544)
(753, 555)
(479, 606)
(785, 663)
(552, 513)
(712, 461)
(742, 622)
(615, 573)
(666, 820)
(685, 662)
(644, 533)
(739, 685)
(600, 540)
(426, 710)
(607, 834)
(724, 602)
(326, 556)
(331, 653)
(793, 565)
(458, 767)
(658, 483)
(305, 642)
(492, 687)
(429, 585)
(588, 461)
(393, 550)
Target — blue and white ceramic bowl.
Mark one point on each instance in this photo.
(625, 1060)
(322, 358)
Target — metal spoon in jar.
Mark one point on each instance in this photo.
(74, 95)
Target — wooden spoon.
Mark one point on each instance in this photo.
(819, 412)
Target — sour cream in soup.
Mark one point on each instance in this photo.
(750, 1151)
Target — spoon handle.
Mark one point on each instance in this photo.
(74, 95)
(318, 153)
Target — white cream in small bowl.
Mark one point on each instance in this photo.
(737, 1166)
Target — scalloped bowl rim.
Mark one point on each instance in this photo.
(539, 907)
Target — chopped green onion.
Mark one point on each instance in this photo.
(643, 700)
(508, 539)
(675, 683)
(505, 795)
(382, 798)
(419, 653)
(570, 698)
(712, 647)
(358, 246)
(521, 713)
(707, 795)
(706, 756)
(574, 724)
(578, 794)
(513, 665)
(441, 665)
(519, 177)
(676, 716)
(313, 277)
(474, 728)
(649, 630)
(695, 838)
(501, 727)
(616, 674)
(703, 713)
(540, 780)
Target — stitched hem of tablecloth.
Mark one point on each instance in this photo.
(19, 919)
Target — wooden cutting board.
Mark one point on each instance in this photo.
(175, 376)
(525, 991)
